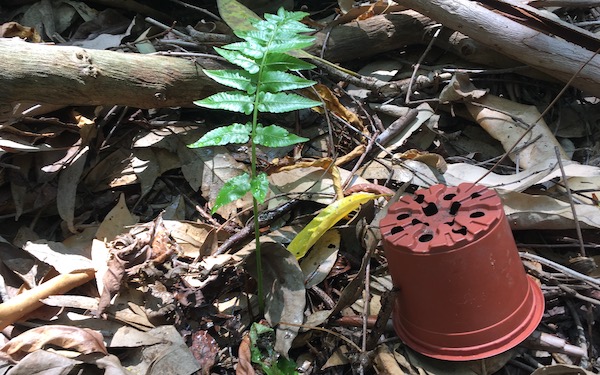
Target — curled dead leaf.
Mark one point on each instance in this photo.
(82, 340)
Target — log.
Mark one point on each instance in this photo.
(60, 75)
(551, 55)
(63, 75)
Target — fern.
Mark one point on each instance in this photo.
(260, 85)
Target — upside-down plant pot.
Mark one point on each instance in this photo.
(463, 293)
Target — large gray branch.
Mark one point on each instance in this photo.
(551, 55)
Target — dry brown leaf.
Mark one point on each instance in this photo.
(333, 104)
(205, 350)
(385, 363)
(244, 366)
(83, 340)
(14, 29)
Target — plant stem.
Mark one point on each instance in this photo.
(253, 175)
(259, 280)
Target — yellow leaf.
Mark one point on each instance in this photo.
(325, 220)
(236, 15)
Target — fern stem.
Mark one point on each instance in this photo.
(253, 176)
(259, 281)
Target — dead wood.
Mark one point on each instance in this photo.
(75, 76)
(551, 55)
(36, 73)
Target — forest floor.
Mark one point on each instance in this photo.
(113, 263)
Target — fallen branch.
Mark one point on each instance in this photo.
(59, 75)
(551, 55)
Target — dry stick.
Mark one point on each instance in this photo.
(365, 315)
(342, 337)
(552, 103)
(418, 64)
(567, 271)
(571, 202)
(361, 159)
(581, 339)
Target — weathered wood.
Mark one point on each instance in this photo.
(36, 73)
(75, 76)
(553, 56)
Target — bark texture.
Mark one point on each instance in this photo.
(551, 55)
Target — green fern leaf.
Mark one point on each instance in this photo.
(289, 45)
(249, 48)
(259, 187)
(238, 79)
(261, 37)
(281, 102)
(280, 81)
(283, 62)
(232, 190)
(234, 101)
(234, 133)
(276, 136)
(239, 59)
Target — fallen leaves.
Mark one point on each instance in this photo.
(83, 341)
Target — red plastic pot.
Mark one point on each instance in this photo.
(463, 291)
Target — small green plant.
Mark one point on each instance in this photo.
(265, 59)
(264, 355)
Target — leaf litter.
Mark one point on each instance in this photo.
(111, 261)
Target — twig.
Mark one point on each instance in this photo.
(548, 342)
(567, 271)
(202, 10)
(167, 28)
(365, 312)
(344, 338)
(581, 340)
(550, 105)
(387, 306)
(205, 215)
(263, 219)
(418, 64)
(360, 161)
(573, 210)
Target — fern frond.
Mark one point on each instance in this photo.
(275, 81)
(238, 79)
(235, 57)
(234, 101)
(281, 102)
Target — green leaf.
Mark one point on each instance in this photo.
(282, 61)
(234, 133)
(291, 44)
(239, 59)
(234, 101)
(282, 102)
(261, 37)
(232, 190)
(275, 81)
(259, 187)
(238, 79)
(250, 48)
(276, 136)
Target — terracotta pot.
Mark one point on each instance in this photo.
(463, 291)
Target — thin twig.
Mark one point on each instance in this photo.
(528, 130)
(202, 10)
(418, 64)
(567, 271)
(573, 210)
(581, 339)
